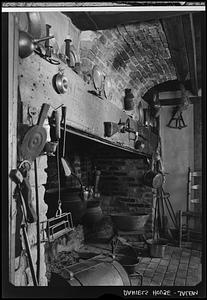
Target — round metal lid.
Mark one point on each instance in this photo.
(33, 142)
(97, 78)
(107, 87)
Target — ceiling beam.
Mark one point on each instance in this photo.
(189, 33)
(105, 20)
(173, 28)
(177, 101)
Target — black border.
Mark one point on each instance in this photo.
(8, 290)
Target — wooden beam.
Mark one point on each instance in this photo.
(189, 33)
(107, 20)
(12, 141)
(173, 29)
(177, 101)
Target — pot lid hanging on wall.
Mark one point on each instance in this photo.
(97, 78)
(33, 142)
(107, 87)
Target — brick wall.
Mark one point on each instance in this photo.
(135, 56)
(121, 183)
(122, 189)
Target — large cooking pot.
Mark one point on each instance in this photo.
(153, 179)
(93, 213)
(129, 263)
(129, 222)
(72, 201)
(91, 273)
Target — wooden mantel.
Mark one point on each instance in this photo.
(85, 111)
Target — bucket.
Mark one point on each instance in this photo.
(156, 248)
(129, 263)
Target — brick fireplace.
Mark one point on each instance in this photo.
(121, 184)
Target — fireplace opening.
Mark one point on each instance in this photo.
(105, 181)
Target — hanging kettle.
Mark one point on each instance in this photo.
(27, 44)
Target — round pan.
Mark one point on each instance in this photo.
(97, 78)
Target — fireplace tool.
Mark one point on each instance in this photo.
(64, 162)
(17, 177)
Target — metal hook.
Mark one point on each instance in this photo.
(59, 210)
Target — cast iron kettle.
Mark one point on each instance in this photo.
(27, 44)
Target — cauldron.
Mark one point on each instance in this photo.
(72, 201)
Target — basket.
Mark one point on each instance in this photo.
(129, 263)
(156, 248)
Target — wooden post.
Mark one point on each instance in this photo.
(12, 141)
(180, 227)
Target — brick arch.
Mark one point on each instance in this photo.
(136, 56)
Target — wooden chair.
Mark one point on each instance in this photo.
(190, 220)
